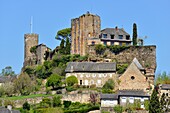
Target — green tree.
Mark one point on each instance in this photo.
(71, 80)
(57, 101)
(108, 86)
(26, 106)
(7, 71)
(163, 78)
(118, 109)
(8, 88)
(134, 34)
(24, 85)
(62, 47)
(163, 103)
(54, 80)
(68, 46)
(63, 34)
(154, 106)
(100, 48)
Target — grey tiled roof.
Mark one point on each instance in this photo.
(165, 86)
(132, 93)
(5, 110)
(109, 96)
(138, 64)
(114, 31)
(90, 67)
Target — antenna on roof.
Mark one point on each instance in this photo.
(31, 24)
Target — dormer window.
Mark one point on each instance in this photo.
(93, 43)
(120, 36)
(104, 35)
(127, 37)
(112, 36)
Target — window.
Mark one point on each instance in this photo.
(86, 82)
(105, 43)
(112, 36)
(104, 35)
(127, 37)
(93, 43)
(132, 77)
(112, 43)
(80, 82)
(124, 99)
(131, 100)
(120, 43)
(120, 36)
(99, 81)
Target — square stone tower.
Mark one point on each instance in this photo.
(30, 40)
(84, 28)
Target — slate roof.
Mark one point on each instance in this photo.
(114, 31)
(5, 110)
(138, 64)
(165, 86)
(90, 67)
(137, 93)
(109, 96)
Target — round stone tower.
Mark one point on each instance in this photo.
(30, 40)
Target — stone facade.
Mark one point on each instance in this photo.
(133, 79)
(146, 56)
(97, 79)
(30, 40)
(83, 28)
(40, 53)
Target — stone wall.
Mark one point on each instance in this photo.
(146, 55)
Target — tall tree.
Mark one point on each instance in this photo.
(63, 34)
(54, 80)
(62, 48)
(163, 103)
(154, 106)
(134, 34)
(8, 71)
(68, 46)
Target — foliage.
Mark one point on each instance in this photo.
(66, 104)
(68, 46)
(100, 48)
(108, 86)
(71, 80)
(2, 92)
(121, 68)
(70, 88)
(26, 106)
(9, 102)
(163, 102)
(29, 70)
(8, 88)
(33, 49)
(57, 101)
(49, 110)
(93, 98)
(118, 109)
(154, 106)
(54, 80)
(134, 34)
(146, 104)
(63, 34)
(163, 78)
(7, 71)
(24, 85)
(77, 107)
(45, 103)
(62, 48)
(116, 48)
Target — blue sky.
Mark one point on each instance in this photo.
(151, 16)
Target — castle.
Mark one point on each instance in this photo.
(36, 56)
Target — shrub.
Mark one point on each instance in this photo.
(71, 80)
(26, 106)
(57, 101)
(54, 80)
(45, 103)
(121, 68)
(116, 48)
(100, 48)
(118, 109)
(108, 86)
(70, 88)
(66, 104)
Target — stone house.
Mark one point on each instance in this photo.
(164, 88)
(115, 36)
(92, 73)
(134, 78)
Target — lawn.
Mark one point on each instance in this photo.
(25, 97)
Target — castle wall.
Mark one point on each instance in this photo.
(82, 28)
(40, 52)
(30, 40)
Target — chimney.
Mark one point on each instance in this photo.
(116, 28)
